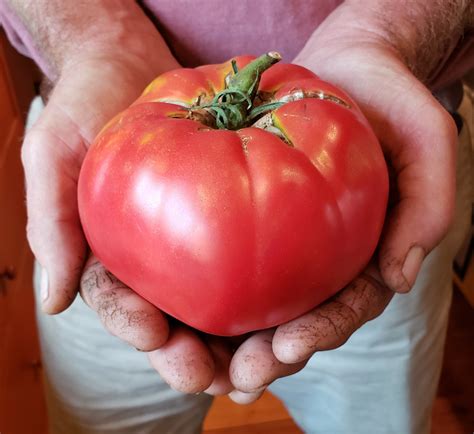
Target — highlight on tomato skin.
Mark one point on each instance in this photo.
(235, 197)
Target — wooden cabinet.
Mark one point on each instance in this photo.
(22, 407)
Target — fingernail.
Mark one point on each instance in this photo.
(44, 285)
(412, 264)
(243, 397)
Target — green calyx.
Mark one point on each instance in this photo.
(233, 107)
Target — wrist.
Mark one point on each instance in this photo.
(420, 34)
(59, 34)
(132, 42)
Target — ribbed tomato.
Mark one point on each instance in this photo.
(235, 203)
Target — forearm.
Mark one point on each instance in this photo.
(64, 32)
(423, 33)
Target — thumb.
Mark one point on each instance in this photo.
(51, 171)
(418, 138)
(421, 148)
(83, 100)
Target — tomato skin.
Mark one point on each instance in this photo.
(234, 231)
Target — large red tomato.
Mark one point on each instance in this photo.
(233, 230)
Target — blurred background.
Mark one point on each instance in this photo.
(22, 406)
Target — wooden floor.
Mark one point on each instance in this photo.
(453, 412)
(454, 407)
(265, 416)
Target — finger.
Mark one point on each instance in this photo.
(331, 324)
(244, 398)
(54, 231)
(184, 362)
(254, 366)
(122, 312)
(222, 355)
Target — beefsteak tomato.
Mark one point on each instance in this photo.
(235, 200)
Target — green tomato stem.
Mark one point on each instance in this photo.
(232, 107)
(248, 78)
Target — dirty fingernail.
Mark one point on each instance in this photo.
(412, 264)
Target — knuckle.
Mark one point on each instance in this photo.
(35, 236)
(116, 314)
(111, 310)
(26, 149)
(31, 233)
(31, 150)
(95, 280)
(445, 218)
(250, 372)
(107, 296)
(337, 325)
(448, 126)
(441, 215)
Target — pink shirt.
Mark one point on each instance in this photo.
(211, 31)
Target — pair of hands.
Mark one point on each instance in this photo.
(418, 138)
